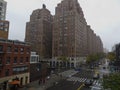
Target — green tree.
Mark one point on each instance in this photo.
(94, 57)
(89, 59)
(111, 56)
(112, 81)
(63, 58)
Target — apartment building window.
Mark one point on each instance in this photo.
(7, 72)
(1, 23)
(1, 48)
(14, 70)
(16, 49)
(21, 49)
(61, 19)
(6, 29)
(28, 50)
(8, 60)
(32, 59)
(1, 28)
(0, 60)
(20, 69)
(6, 24)
(21, 59)
(15, 60)
(9, 49)
(27, 59)
(66, 27)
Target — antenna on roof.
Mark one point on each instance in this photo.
(44, 6)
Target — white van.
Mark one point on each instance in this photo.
(95, 88)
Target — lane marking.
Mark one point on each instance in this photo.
(80, 86)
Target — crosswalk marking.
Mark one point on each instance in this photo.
(68, 72)
(80, 79)
(75, 79)
(94, 82)
(84, 80)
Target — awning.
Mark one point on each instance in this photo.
(14, 82)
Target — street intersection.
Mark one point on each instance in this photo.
(71, 80)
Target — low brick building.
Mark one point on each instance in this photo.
(14, 62)
(38, 69)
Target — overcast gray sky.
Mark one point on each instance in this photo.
(102, 15)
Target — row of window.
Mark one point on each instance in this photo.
(15, 60)
(1, 14)
(34, 59)
(4, 24)
(16, 49)
(4, 29)
(16, 70)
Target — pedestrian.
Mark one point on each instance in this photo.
(39, 82)
(61, 75)
(53, 83)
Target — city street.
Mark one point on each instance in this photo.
(75, 81)
(59, 45)
(36, 86)
(65, 85)
(71, 80)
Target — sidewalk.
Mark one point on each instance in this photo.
(35, 85)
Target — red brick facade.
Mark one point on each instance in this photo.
(72, 37)
(39, 32)
(14, 57)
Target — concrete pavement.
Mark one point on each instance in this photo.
(35, 84)
(50, 82)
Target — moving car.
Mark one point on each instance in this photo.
(88, 82)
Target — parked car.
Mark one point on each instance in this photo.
(88, 82)
(77, 69)
(104, 67)
(91, 67)
(96, 76)
(99, 63)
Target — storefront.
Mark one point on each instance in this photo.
(3, 86)
(14, 85)
(13, 82)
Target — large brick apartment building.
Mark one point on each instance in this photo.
(14, 62)
(39, 32)
(65, 34)
(72, 37)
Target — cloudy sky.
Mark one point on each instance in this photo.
(102, 15)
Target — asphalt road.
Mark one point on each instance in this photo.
(66, 85)
(73, 83)
(85, 74)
